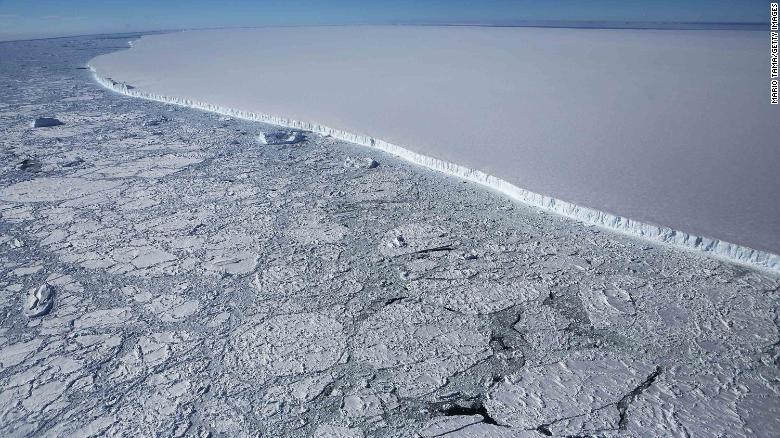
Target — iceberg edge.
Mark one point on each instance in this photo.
(720, 249)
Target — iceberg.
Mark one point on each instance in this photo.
(663, 135)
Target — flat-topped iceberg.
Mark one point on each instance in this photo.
(666, 135)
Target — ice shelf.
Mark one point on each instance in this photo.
(468, 150)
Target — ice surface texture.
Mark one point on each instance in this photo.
(632, 128)
(162, 273)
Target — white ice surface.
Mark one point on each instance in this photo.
(663, 127)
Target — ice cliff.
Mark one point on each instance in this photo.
(656, 233)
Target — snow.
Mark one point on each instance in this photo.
(662, 127)
(201, 283)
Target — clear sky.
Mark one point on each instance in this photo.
(41, 18)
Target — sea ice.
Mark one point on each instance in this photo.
(281, 137)
(45, 122)
(203, 285)
(39, 301)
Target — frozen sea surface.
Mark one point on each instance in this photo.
(164, 272)
(671, 128)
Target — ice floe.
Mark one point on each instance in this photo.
(45, 122)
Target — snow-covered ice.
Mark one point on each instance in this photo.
(162, 273)
(664, 134)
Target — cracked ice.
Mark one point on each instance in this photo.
(166, 273)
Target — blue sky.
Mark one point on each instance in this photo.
(37, 18)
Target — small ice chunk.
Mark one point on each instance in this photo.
(360, 163)
(45, 122)
(398, 242)
(281, 137)
(40, 301)
(415, 238)
(30, 164)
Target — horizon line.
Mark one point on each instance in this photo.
(552, 24)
